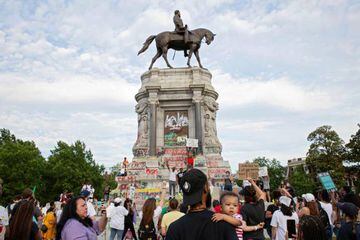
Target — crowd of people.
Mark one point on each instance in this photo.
(247, 214)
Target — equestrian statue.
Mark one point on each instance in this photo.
(181, 40)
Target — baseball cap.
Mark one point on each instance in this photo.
(117, 200)
(85, 193)
(285, 200)
(349, 209)
(308, 197)
(192, 184)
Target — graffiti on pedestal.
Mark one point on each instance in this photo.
(217, 173)
(175, 151)
(176, 127)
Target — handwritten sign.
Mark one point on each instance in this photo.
(248, 170)
(263, 171)
(192, 142)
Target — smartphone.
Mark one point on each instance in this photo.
(291, 228)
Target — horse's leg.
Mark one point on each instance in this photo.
(191, 50)
(164, 54)
(157, 55)
(196, 52)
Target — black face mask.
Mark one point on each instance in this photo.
(208, 200)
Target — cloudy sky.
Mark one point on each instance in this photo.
(69, 70)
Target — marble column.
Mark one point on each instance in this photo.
(153, 102)
(197, 98)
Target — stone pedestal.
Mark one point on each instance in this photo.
(172, 105)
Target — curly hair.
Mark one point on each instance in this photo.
(311, 228)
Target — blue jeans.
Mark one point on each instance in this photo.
(114, 231)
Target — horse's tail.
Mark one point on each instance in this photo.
(147, 44)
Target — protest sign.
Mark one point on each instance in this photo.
(326, 181)
(192, 142)
(248, 170)
(263, 171)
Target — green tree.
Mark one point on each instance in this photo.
(353, 148)
(21, 166)
(275, 170)
(70, 166)
(353, 156)
(301, 182)
(326, 154)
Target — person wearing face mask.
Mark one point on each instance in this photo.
(197, 223)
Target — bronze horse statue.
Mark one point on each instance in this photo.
(166, 40)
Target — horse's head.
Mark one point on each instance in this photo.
(209, 36)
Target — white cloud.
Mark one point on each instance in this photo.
(280, 92)
(65, 67)
(65, 90)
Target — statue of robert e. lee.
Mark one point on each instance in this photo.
(181, 40)
(180, 28)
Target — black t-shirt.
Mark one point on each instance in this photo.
(271, 208)
(199, 226)
(346, 232)
(253, 214)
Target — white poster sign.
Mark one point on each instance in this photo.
(263, 171)
(192, 142)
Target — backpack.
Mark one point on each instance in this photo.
(147, 231)
(324, 218)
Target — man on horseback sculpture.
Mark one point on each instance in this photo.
(173, 40)
(180, 28)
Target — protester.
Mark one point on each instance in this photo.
(347, 195)
(179, 176)
(11, 206)
(172, 181)
(349, 229)
(228, 186)
(150, 219)
(90, 207)
(253, 211)
(64, 197)
(106, 193)
(88, 187)
(170, 216)
(190, 159)
(76, 224)
(229, 212)
(129, 219)
(310, 206)
(270, 211)
(197, 223)
(325, 205)
(280, 219)
(59, 212)
(117, 214)
(4, 217)
(49, 223)
(147, 228)
(266, 182)
(22, 224)
(27, 195)
(311, 228)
